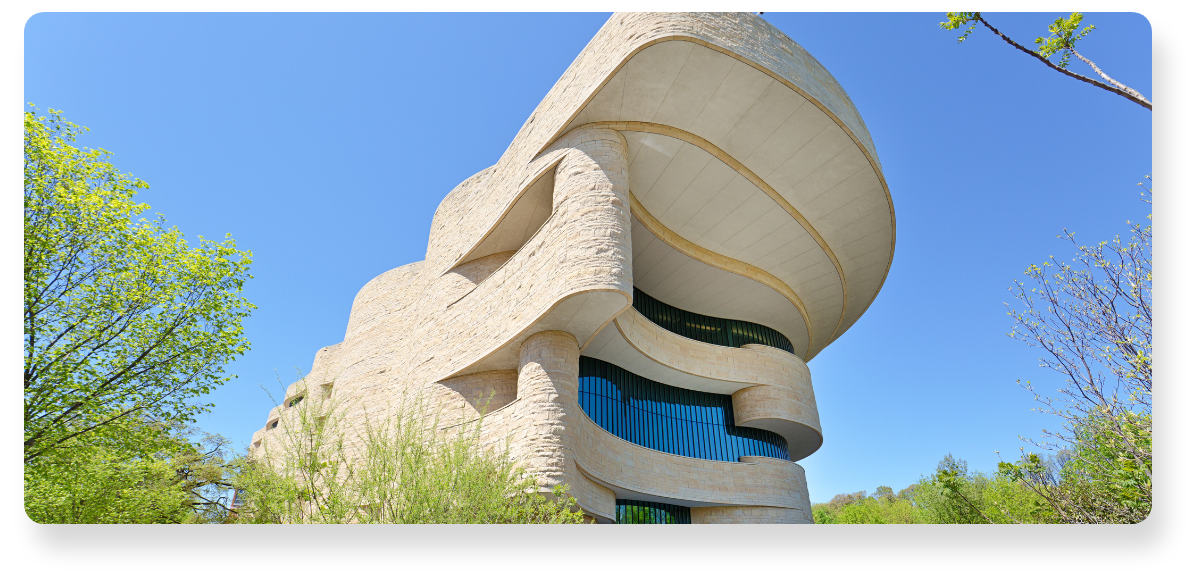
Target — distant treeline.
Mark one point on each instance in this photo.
(952, 494)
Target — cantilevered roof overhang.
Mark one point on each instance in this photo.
(744, 155)
(734, 159)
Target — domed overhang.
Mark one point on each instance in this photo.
(744, 164)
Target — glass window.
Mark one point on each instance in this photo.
(708, 329)
(643, 512)
(661, 417)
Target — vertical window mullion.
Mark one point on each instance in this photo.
(676, 429)
(641, 414)
(672, 426)
(727, 430)
(711, 444)
(626, 415)
(688, 437)
(706, 417)
(660, 422)
(607, 414)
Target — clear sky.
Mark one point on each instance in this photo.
(324, 143)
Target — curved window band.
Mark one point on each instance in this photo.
(708, 329)
(669, 419)
(642, 512)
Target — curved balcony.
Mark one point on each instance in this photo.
(770, 389)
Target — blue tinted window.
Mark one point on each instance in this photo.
(669, 419)
(708, 329)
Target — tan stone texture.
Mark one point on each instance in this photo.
(731, 515)
(531, 258)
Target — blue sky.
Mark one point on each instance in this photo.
(324, 143)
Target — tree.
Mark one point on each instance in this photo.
(1092, 318)
(950, 464)
(98, 481)
(1064, 36)
(953, 494)
(125, 323)
(885, 506)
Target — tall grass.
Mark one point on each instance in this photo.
(317, 467)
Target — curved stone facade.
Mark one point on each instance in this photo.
(706, 159)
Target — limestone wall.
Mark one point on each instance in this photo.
(452, 333)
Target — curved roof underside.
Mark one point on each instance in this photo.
(747, 156)
(679, 280)
(724, 135)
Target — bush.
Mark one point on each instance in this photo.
(407, 471)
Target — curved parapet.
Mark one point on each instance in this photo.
(636, 472)
(784, 411)
(739, 367)
(741, 514)
(386, 294)
(573, 272)
(656, 245)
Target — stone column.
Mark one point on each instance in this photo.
(591, 195)
(592, 241)
(547, 392)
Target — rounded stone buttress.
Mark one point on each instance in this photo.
(547, 388)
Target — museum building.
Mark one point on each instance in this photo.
(630, 296)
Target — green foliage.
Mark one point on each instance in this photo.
(409, 471)
(884, 506)
(99, 481)
(951, 495)
(122, 318)
(954, 20)
(1097, 481)
(1092, 317)
(1102, 457)
(92, 483)
(1062, 32)
(1063, 38)
(821, 514)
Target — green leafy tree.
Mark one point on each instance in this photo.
(883, 507)
(954, 494)
(951, 464)
(99, 481)
(869, 511)
(821, 514)
(1064, 36)
(123, 319)
(1092, 318)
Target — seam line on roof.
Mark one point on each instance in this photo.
(669, 86)
(673, 132)
(685, 37)
(716, 260)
